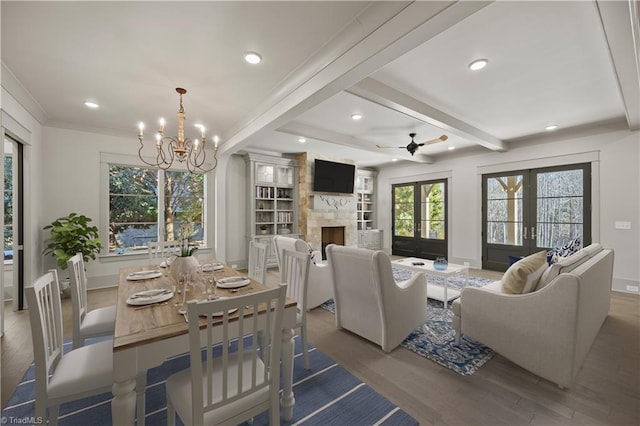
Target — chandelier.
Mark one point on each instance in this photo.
(185, 150)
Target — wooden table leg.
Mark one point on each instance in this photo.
(123, 404)
(287, 400)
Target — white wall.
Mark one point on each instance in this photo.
(616, 185)
(73, 182)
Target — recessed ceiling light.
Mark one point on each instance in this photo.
(478, 64)
(394, 159)
(252, 57)
(90, 104)
(551, 127)
(356, 116)
(302, 140)
(451, 148)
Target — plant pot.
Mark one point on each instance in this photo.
(183, 265)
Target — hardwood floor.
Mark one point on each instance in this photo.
(606, 392)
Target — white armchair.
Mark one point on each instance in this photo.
(369, 302)
(320, 288)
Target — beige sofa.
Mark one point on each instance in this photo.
(548, 331)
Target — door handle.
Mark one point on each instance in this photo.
(524, 232)
(533, 232)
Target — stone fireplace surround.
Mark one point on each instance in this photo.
(316, 211)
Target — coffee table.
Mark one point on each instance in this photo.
(435, 291)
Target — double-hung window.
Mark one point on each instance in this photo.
(149, 204)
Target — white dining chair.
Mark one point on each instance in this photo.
(61, 377)
(257, 268)
(86, 323)
(295, 273)
(160, 250)
(242, 381)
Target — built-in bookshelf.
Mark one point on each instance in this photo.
(368, 235)
(273, 200)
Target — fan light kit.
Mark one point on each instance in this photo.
(478, 64)
(413, 146)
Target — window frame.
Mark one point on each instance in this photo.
(106, 161)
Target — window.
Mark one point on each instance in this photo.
(147, 204)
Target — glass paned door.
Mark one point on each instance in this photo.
(419, 219)
(532, 210)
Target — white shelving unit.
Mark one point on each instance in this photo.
(368, 235)
(272, 200)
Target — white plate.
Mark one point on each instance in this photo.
(146, 300)
(143, 275)
(233, 282)
(208, 267)
(219, 314)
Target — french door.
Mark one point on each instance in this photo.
(420, 219)
(526, 211)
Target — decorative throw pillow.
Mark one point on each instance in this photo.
(524, 274)
(564, 251)
(312, 255)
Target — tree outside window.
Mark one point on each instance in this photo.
(147, 204)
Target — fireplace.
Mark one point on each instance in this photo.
(331, 235)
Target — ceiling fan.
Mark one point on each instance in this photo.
(413, 146)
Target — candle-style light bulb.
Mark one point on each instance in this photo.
(202, 131)
(195, 144)
(216, 139)
(140, 128)
(158, 139)
(161, 124)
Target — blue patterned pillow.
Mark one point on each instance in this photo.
(566, 250)
(312, 255)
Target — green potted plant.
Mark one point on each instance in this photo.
(70, 235)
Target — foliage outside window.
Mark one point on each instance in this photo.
(147, 204)
(8, 207)
(404, 217)
(432, 212)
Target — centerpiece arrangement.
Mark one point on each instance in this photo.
(185, 262)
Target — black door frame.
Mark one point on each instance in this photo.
(496, 256)
(416, 246)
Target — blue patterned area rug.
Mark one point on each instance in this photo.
(325, 394)
(436, 341)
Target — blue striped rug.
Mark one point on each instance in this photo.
(436, 341)
(326, 394)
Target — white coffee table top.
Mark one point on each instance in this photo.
(408, 263)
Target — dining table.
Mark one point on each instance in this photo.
(149, 332)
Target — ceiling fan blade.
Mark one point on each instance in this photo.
(436, 140)
(382, 146)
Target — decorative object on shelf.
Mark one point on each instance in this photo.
(178, 147)
(72, 234)
(264, 229)
(440, 264)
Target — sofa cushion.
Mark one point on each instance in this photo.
(523, 275)
(565, 250)
(564, 264)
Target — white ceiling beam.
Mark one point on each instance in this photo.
(385, 32)
(386, 96)
(621, 27)
(313, 132)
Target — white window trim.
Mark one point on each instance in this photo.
(108, 159)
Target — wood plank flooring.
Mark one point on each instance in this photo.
(607, 390)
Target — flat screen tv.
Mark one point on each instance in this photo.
(333, 177)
